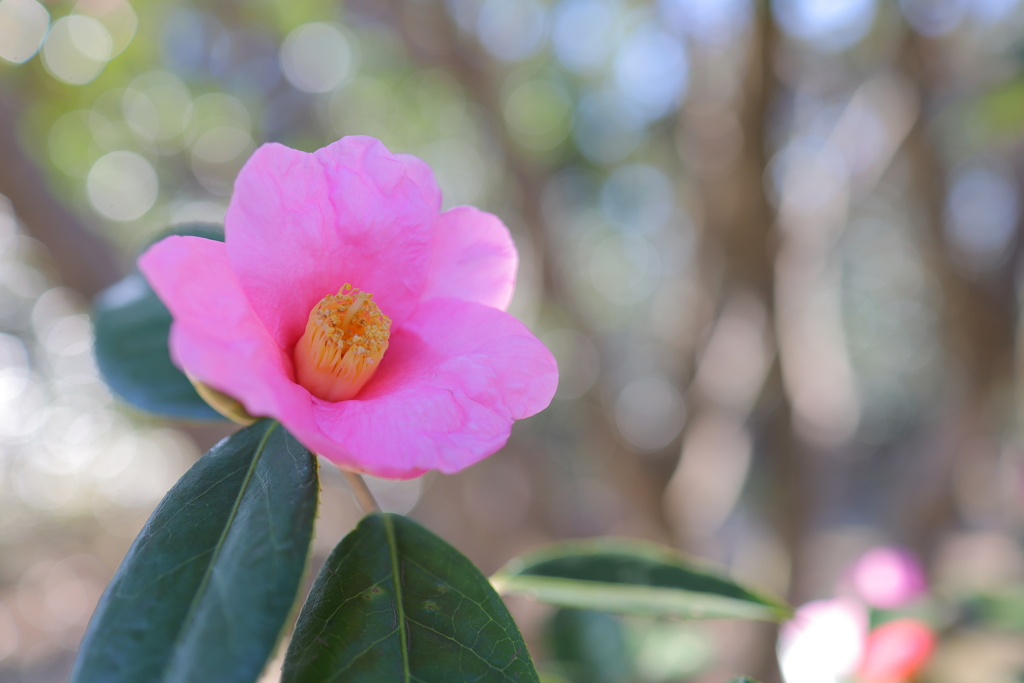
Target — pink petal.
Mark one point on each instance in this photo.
(216, 336)
(300, 225)
(454, 379)
(474, 258)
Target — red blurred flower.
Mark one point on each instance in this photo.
(896, 651)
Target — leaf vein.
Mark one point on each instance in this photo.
(200, 591)
(399, 605)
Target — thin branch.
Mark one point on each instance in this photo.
(361, 492)
(980, 325)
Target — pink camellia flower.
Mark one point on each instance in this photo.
(888, 577)
(346, 305)
(896, 651)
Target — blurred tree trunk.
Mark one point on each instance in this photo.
(739, 245)
(85, 261)
(979, 319)
(433, 39)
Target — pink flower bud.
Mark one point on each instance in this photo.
(888, 577)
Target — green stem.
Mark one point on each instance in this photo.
(361, 492)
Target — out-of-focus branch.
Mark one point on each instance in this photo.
(739, 243)
(792, 485)
(432, 37)
(979, 325)
(84, 260)
(789, 470)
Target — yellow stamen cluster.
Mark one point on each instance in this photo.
(345, 338)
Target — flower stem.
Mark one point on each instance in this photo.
(361, 492)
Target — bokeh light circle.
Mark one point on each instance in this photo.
(579, 362)
(830, 25)
(221, 144)
(511, 30)
(584, 32)
(982, 209)
(122, 186)
(23, 25)
(707, 21)
(77, 48)
(156, 106)
(316, 57)
(637, 197)
(608, 129)
(652, 70)
(70, 143)
(625, 268)
(117, 16)
(539, 113)
(650, 413)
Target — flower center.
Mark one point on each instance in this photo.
(345, 338)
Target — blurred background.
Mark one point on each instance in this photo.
(775, 247)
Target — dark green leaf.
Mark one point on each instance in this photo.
(132, 326)
(131, 351)
(205, 589)
(210, 231)
(1000, 609)
(590, 647)
(394, 602)
(628, 576)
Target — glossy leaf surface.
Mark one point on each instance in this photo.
(396, 603)
(205, 589)
(627, 576)
(132, 326)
